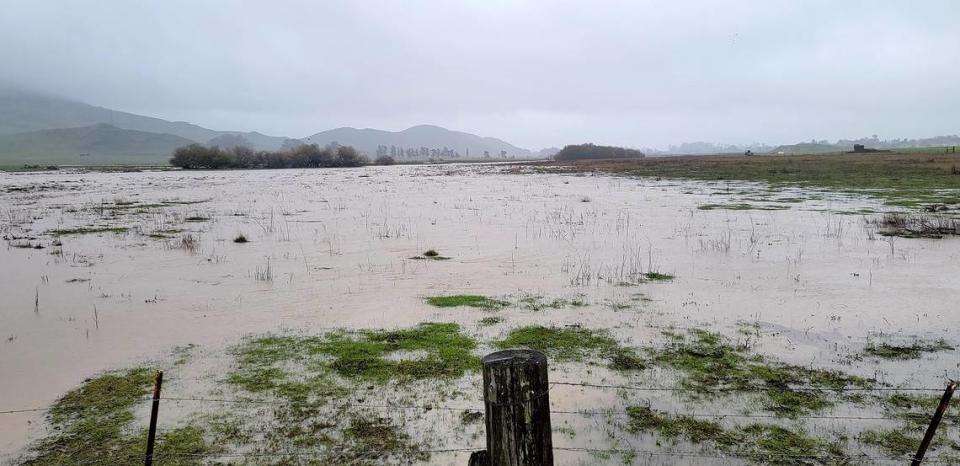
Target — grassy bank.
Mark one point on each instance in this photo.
(900, 179)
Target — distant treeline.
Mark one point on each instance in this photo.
(593, 151)
(197, 156)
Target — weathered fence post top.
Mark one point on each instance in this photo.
(516, 397)
(515, 357)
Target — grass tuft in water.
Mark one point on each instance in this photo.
(430, 254)
(488, 321)
(657, 276)
(466, 300)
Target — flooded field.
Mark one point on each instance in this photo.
(335, 316)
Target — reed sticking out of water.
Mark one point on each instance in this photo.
(189, 243)
(96, 317)
(263, 274)
(36, 302)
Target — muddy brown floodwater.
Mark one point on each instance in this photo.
(805, 271)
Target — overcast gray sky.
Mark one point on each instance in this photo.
(535, 73)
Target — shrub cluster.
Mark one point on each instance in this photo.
(593, 151)
(197, 156)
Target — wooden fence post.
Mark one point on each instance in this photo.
(934, 422)
(517, 400)
(154, 411)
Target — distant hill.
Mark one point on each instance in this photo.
(99, 144)
(22, 111)
(809, 148)
(430, 137)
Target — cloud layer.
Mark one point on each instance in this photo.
(536, 73)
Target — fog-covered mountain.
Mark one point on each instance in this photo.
(23, 111)
(88, 145)
(417, 139)
(39, 128)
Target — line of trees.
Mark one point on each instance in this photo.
(593, 151)
(198, 156)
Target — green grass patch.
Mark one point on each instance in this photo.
(467, 300)
(911, 351)
(572, 344)
(427, 351)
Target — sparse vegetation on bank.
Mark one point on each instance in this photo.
(904, 179)
(196, 156)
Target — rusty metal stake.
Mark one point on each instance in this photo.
(152, 434)
(934, 422)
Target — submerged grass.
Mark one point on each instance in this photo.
(892, 442)
(904, 179)
(573, 344)
(741, 207)
(314, 373)
(760, 443)
(93, 424)
(709, 362)
(86, 230)
(466, 300)
(439, 350)
(536, 302)
(911, 351)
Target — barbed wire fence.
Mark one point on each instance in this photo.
(521, 401)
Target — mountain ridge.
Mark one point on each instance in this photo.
(88, 145)
(25, 111)
(370, 140)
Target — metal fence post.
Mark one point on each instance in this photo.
(154, 411)
(934, 422)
